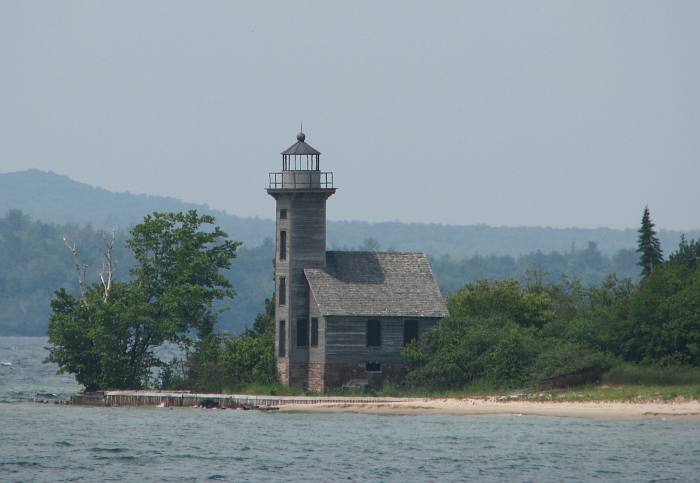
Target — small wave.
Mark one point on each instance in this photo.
(98, 449)
(6, 364)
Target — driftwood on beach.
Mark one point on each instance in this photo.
(576, 378)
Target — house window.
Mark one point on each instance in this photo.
(283, 245)
(283, 214)
(282, 296)
(314, 332)
(302, 332)
(282, 337)
(373, 367)
(410, 331)
(374, 333)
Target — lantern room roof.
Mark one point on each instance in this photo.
(300, 148)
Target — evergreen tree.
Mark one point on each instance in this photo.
(648, 246)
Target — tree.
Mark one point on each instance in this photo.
(228, 363)
(108, 335)
(648, 246)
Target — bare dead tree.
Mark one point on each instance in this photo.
(80, 268)
(107, 265)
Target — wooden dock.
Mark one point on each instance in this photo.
(185, 399)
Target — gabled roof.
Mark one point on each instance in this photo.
(376, 284)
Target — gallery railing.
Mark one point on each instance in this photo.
(301, 180)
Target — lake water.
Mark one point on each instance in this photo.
(47, 442)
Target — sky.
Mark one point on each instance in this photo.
(538, 113)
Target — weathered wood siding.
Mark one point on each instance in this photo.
(317, 354)
(346, 339)
(307, 248)
(282, 270)
(305, 226)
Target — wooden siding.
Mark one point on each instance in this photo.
(346, 339)
(282, 270)
(317, 354)
(307, 248)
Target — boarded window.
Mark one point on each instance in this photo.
(410, 331)
(282, 338)
(282, 296)
(283, 214)
(283, 245)
(373, 367)
(374, 333)
(314, 332)
(302, 332)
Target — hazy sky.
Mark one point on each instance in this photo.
(506, 113)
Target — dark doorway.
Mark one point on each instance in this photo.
(302, 332)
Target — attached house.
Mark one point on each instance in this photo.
(340, 315)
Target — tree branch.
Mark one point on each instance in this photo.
(80, 268)
(107, 266)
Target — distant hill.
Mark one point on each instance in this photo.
(54, 198)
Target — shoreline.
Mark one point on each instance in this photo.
(465, 406)
(493, 407)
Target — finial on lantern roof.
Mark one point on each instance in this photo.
(300, 148)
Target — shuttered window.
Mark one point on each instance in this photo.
(283, 245)
(314, 332)
(282, 338)
(282, 294)
(374, 333)
(410, 331)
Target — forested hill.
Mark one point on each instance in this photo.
(53, 198)
(35, 263)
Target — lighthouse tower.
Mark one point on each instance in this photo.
(300, 191)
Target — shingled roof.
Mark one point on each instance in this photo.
(371, 284)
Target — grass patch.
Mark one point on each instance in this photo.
(388, 390)
(633, 374)
(630, 393)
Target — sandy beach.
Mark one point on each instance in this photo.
(492, 406)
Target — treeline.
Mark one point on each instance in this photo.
(35, 262)
(53, 198)
(507, 334)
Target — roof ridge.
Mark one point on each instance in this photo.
(382, 252)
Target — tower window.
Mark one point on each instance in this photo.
(314, 332)
(410, 331)
(282, 296)
(282, 349)
(283, 214)
(302, 332)
(283, 245)
(374, 333)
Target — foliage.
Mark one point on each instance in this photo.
(108, 336)
(35, 262)
(648, 245)
(224, 363)
(506, 334)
